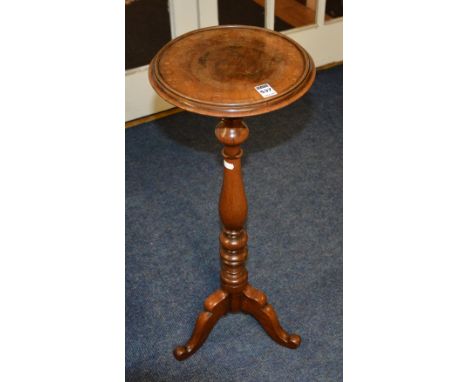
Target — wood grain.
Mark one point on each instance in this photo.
(214, 71)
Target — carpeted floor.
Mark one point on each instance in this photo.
(293, 179)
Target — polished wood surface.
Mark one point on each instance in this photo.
(214, 71)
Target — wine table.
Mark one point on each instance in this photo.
(232, 72)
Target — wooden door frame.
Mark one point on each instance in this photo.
(184, 16)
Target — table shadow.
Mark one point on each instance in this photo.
(266, 131)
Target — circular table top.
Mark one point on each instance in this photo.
(231, 71)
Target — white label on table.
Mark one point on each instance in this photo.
(265, 90)
(228, 165)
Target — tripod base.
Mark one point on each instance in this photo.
(249, 300)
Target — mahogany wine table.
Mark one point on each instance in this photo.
(232, 72)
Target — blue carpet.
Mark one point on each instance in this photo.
(293, 179)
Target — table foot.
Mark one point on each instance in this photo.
(216, 305)
(255, 303)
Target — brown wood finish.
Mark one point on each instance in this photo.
(213, 71)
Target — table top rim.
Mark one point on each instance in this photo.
(239, 109)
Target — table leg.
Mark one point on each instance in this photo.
(216, 305)
(235, 294)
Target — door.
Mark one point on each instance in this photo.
(319, 31)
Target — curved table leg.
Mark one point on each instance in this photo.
(216, 305)
(255, 303)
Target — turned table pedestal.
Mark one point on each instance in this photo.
(232, 72)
